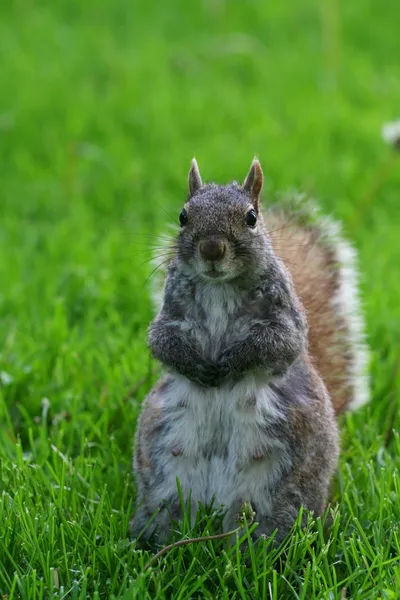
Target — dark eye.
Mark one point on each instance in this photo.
(183, 218)
(251, 218)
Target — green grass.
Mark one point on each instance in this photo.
(102, 106)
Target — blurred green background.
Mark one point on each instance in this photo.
(102, 105)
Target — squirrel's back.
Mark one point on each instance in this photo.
(324, 270)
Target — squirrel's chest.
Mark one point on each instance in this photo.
(224, 446)
(214, 316)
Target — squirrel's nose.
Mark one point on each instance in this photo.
(212, 249)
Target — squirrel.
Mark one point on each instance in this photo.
(262, 336)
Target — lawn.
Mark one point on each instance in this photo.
(102, 106)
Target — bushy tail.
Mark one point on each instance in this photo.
(324, 270)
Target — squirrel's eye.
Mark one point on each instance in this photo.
(183, 218)
(251, 218)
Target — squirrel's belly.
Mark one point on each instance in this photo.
(221, 445)
(219, 481)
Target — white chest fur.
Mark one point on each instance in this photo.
(220, 443)
(213, 318)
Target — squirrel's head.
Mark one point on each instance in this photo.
(222, 235)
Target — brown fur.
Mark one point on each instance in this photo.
(316, 279)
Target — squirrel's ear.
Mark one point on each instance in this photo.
(195, 182)
(254, 182)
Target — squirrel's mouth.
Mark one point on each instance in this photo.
(214, 273)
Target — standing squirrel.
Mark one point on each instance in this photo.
(261, 333)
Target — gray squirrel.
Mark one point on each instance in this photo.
(261, 333)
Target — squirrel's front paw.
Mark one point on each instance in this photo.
(206, 375)
(233, 363)
(226, 363)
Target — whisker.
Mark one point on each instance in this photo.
(247, 254)
(293, 245)
(269, 231)
(156, 241)
(154, 270)
(152, 249)
(167, 256)
(174, 218)
(154, 236)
